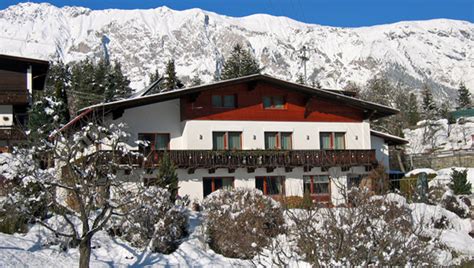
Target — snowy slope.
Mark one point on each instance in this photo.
(438, 51)
(456, 136)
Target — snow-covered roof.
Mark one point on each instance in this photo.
(389, 138)
(417, 171)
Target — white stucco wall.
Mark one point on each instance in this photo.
(6, 115)
(164, 117)
(192, 184)
(381, 150)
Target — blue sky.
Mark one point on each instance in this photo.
(349, 13)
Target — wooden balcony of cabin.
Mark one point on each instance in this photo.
(12, 133)
(14, 96)
(252, 159)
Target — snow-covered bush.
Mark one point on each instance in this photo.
(373, 231)
(443, 196)
(454, 204)
(152, 219)
(241, 222)
(24, 203)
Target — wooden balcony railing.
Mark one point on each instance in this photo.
(212, 159)
(12, 133)
(14, 96)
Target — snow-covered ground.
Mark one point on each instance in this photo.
(32, 250)
(446, 138)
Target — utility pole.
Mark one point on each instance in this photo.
(304, 59)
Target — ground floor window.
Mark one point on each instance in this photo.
(353, 181)
(213, 184)
(316, 184)
(271, 185)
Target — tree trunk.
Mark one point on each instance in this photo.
(84, 253)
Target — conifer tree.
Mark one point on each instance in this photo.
(464, 97)
(429, 105)
(196, 81)
(171, 79)
(50, 105)
(379, 90)
(167, 177)
(412, 112)
(240, 63)
(119, 84)
(154, 76)
(459, 183)
(300, 79)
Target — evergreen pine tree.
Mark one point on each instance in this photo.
(379, 90)
(83, 80)
(240, 63)
(196, 81)
(50, 107)
(119, 83)
(154, 76)
(464, 97)
(412, 112)
(171, 79)
(300, 79)
(459, 183)
(429, 106)
(167, 177)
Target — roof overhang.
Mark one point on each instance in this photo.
(391, 140)
(371, 110)
(39, 68)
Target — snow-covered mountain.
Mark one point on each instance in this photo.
(438, 51)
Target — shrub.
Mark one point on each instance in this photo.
(291, 202)
(24, 204)
(153, 220)
(241, 222)
(459, 183)
(455, 205)
(374, 232)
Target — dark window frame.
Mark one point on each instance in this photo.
(265, 183)
(213, 183)
(226, 140)
(332, 137)
(313, 182)
(273, 102)
(278, 139)
(221, 105)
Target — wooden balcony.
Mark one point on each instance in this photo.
(251, 159)
(12, 133)
(14, 96)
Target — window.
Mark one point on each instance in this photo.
(156, 141)
(332, 140)
(213, 184)
(226, 140)
(272, 185)
(316, 184)
(223, 101)
(273, 102)
(278, 140)
(353, 181)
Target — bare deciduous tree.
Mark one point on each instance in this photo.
(84, 186)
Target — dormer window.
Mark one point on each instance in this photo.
(273, 102)
(224, 101)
